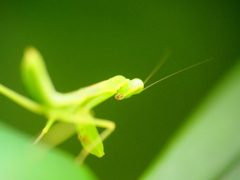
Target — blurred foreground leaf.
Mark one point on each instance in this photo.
(20, 160)
(208, 146)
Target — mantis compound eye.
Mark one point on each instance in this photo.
(119, 96)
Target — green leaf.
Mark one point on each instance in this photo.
(21, 160)
(208, 146)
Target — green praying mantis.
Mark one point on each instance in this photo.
(74, 107)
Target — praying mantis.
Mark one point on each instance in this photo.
(74, 107)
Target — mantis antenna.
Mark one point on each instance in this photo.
(160, 64)
(172, 73)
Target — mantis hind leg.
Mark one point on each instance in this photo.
(109, 128)
(21, 100)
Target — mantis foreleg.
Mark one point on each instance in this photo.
(110, 127)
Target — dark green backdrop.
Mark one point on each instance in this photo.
(84, 42)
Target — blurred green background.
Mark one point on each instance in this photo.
(84, 42)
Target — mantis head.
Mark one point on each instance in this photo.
(134, 86)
